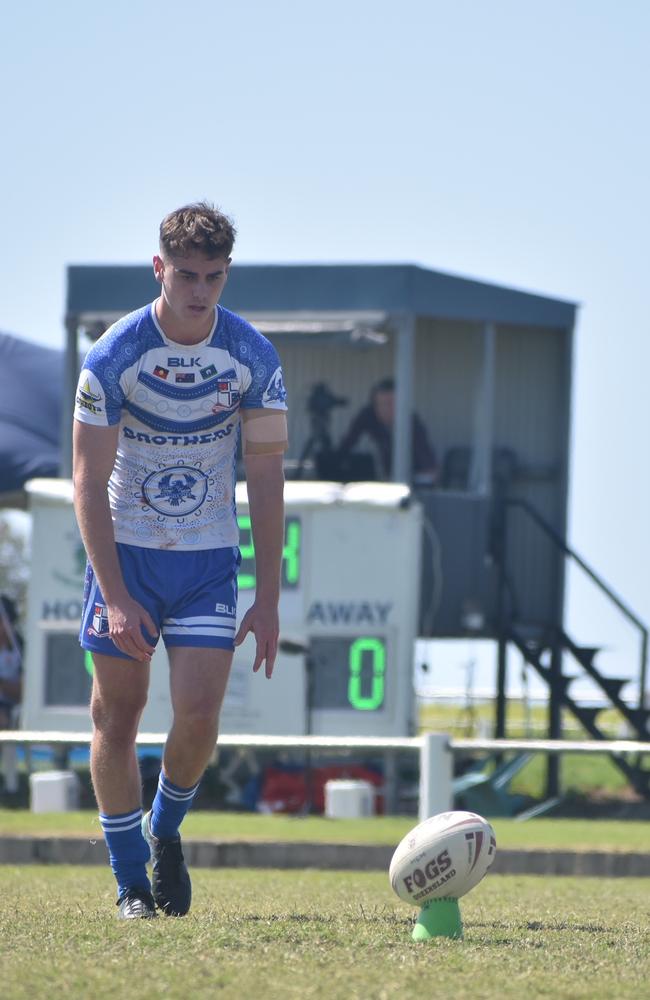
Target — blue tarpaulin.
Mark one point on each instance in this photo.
(31, 387)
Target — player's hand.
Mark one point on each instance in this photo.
(263, 621)
(125, 623)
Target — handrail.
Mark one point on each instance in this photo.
(22, 737)
(561, 544)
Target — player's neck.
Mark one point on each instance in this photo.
(177, 331)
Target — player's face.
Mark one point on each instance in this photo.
(191, 288)
(384, 403)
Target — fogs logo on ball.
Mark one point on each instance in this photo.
(422, 881)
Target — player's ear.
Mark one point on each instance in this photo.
(158, 268)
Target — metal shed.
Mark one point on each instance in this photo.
(487, 368)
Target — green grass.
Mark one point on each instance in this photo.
(558, 834)
(321, 936)
(522, 721)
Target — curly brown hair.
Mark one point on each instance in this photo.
(197, 228)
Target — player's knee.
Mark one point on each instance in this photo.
(118, 718)
(199, 721)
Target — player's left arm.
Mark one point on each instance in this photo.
(264, 439)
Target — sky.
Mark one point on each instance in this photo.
(505, 141)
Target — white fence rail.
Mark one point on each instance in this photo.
(435, 751)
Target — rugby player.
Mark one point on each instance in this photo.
(162, 400)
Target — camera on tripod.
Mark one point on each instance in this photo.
(318, 447)
(322, 401)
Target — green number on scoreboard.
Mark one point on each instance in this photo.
(247, 549)
(376, 650)
(291, 553)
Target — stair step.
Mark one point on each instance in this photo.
(640, 719)
(612, 686)
(587, 716)
(585, 654)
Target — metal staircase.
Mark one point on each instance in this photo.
(547, 648)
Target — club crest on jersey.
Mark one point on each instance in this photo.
(176, 491)
(227, 393)
(275, 391)
(88, 399)
(160, 371)
(99, 626)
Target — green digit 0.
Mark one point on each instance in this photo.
(377, 649)
(291, 553)
(246, 580)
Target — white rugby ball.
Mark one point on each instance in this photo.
(443, 857)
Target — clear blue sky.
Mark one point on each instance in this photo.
(506, 141)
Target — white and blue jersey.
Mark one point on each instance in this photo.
(178, 410)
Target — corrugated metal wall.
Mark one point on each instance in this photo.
(530, 417)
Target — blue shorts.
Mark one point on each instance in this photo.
(191, 596)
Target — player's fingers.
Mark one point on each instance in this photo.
(149, 625)
(242, 632)
(134, 644)
(260, 656)
(271, 653)
(270, 663)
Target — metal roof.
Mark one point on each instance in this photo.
(108, 291)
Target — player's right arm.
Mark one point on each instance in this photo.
(94, 450)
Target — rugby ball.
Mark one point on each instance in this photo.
(442, 858)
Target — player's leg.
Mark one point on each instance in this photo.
(198, 630)
(120, 686)
(118, 697)
(198, 679)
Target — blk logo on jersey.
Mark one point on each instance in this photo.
(183, 362)
(99, 626)
(175, 492)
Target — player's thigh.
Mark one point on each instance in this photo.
(197, 679)
(119, 683)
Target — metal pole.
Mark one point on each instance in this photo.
(481, 470)
(70, 375)
(404, 365)
(554, 719)
(436, 771)
(499, 548)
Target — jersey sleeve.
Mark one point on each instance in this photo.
(266, 388)
(99, 400)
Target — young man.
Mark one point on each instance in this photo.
(374, 424)
(162, 400)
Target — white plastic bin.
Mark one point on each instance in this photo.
(349, 799)
(53, 791)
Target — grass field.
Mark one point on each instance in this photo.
(558, 834)
(321, 936)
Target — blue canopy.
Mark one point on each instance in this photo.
(31, 389)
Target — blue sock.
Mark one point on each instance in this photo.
(127, 849)
(169, 807)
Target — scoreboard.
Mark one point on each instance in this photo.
(349, 600)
